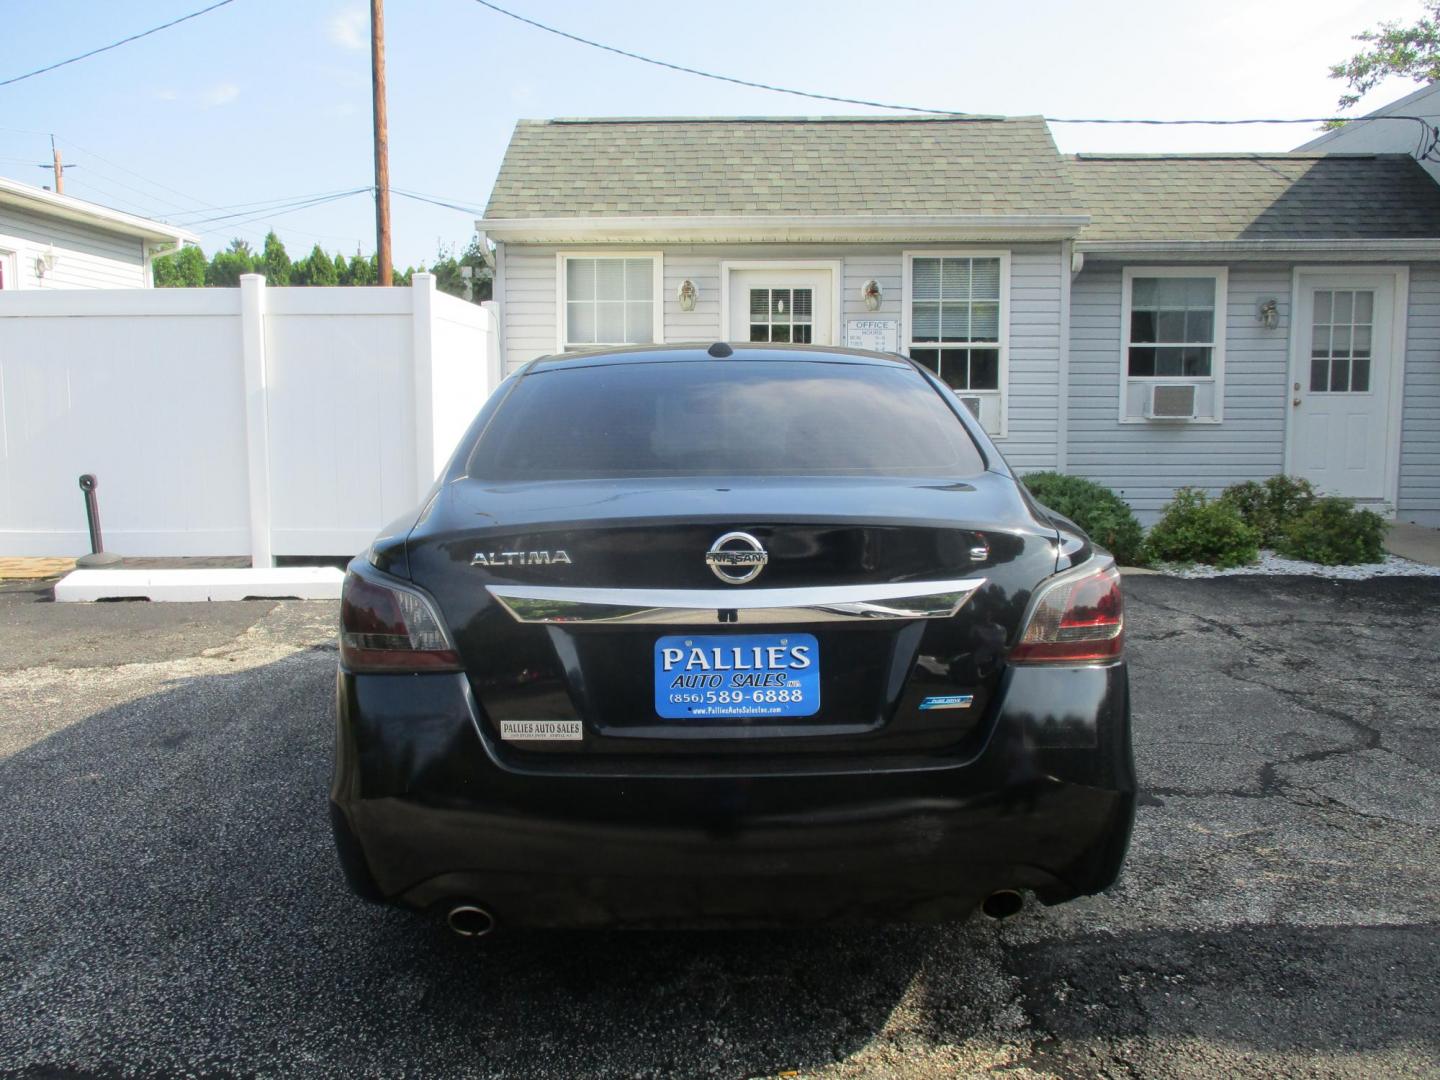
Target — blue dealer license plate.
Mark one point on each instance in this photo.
(737, 675)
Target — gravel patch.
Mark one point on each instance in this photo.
(1273, 565)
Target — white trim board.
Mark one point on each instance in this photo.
(784, 228)
(299, 582)
(836, 267)
(1399, 317)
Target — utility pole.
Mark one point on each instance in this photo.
(382, 142)
(59, 168)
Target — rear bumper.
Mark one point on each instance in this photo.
(426, 811)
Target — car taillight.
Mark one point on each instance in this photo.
(385, 628)
(1078, 618)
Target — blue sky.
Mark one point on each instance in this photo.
(266, 99)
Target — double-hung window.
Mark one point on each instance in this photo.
(1172, 331)
(609, 300)
(957, 325)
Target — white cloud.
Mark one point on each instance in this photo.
(219, 94)
(350, 29)
(167, 93)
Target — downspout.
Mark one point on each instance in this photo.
(497, 293)
(1062, 397)
(153, 251)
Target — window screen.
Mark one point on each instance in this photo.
(735, 418)
(955, 319)
(1172, 327)
(609, 301)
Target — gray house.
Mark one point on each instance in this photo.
(1146, 321)
(53, 241)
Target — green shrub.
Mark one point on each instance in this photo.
(1195, 529)
(1270, 507)
(1335, 533)
(1106, 518)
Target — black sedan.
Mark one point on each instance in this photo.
(728, 636)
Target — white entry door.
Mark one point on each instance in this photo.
(1340, 437)
(786, 306)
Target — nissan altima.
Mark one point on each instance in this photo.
(726, 636)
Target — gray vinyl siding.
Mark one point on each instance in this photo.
(1420, 420)
(530, 297)
(85, 257)
(1144, 463)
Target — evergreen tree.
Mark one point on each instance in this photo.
(275, 262)
(226, 267)
(183, 269)
(363, 270)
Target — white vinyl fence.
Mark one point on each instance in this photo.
(252, 421)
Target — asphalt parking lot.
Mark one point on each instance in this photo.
(170, 904)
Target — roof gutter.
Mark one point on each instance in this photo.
(784, 228)
(39, 200)
(1422, 250)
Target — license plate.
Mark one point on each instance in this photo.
(737, 675)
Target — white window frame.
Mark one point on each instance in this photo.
(657, 262)
(907, 320)
(11, 248)
(1221, 276)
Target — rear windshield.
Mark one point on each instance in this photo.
(741, 418)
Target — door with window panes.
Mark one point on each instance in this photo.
(1340, 438)
(955, 326)
(786, 307)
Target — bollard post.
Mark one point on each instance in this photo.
(98, 555)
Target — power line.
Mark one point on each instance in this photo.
(273, 213)
(710, 74)
(114, 44)
(1430, 130)
(260, 205)
(282, 208)
(435, 201)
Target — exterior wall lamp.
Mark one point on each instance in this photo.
(687, 295)
(45, 262)
(870, 292)
(1269, 313)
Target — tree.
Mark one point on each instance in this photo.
(226, 267)
(317, 268)
(188, 267)
(183, 269)
(274, 261)
(363, 270)
(1412, 52)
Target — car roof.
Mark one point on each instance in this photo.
(700, 352)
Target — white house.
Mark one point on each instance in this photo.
(1386, 131)
(50, 241)
(1146, 321)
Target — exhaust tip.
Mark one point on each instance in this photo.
(469, 921)
(1003, 903)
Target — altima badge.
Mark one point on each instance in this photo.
(520, 558)
(736, 551)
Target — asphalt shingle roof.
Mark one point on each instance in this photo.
(790, 165)
(1298, 196)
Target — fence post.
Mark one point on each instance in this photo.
(257, 422)
(422, 292)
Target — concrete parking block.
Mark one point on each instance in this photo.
(282, 582)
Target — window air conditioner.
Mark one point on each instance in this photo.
(1170, 401)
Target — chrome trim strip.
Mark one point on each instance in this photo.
(902, 600)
